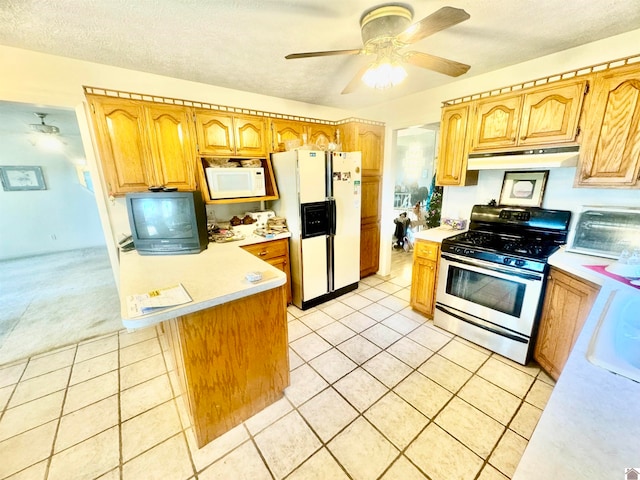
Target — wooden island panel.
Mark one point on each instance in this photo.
(232, 360)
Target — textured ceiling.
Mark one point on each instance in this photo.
(241, 44)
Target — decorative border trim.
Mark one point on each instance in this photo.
(220, 108)
(621, 62)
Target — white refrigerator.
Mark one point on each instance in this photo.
(320, 196)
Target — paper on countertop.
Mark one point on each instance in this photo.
(143, 303)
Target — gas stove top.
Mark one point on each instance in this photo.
(522, 237)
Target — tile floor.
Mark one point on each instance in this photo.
(377, 392)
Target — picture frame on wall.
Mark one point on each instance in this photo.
(523, 188)
(17, 178)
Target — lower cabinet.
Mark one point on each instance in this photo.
(566, 306)
(424, 276)
(276, 253)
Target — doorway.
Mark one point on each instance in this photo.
(57, 285)
(415, 192)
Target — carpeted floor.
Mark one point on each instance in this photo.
(49, 301)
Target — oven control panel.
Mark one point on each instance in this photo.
(519, 215)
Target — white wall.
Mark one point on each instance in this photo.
(425, 107)
(57, 81)
(62, 217)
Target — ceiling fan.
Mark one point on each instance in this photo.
(386, 30)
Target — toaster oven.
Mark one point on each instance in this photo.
(605, 231)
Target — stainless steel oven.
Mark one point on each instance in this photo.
(488, 304)
(491, 279)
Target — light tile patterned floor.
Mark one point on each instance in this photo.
(377, 392)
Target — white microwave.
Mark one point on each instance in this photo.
(235, 182)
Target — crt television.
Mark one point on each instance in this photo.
(167, 223)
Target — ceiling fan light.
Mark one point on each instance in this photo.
(384, 75)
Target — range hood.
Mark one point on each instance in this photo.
(531, 158)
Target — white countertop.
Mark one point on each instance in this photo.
(436, 234)
(211, 277)
(591, 424)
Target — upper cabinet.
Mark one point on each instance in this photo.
(368, 139)
(538, 116)
(143, 144)
(321, 134)
(283, 131)
(452, 158)
(496, 123)
(550, 114)
(610, 150)
(230, 134)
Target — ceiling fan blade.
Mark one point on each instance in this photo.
(444, 18)
(327, 53)
(355, 81)
(438, 64)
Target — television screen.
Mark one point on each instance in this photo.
(167, 223)
(162, 217)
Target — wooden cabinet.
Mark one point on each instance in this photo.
(369, 140)
(271, 189)
(143, 144)
(567, 303)
(370, 225)
(321, 134)
(276, 253)
(496, 122)
(285, 130)
(610, 150)
(231, 361)
(424, 276)
(230, 134)
(550, 114)
(539, 116)
(451, 169)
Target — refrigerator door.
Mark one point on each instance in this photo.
(311, 176)
(314, 267)
(346, 183)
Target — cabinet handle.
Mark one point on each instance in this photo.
(513, 139)
(263, 253)
(523, 137)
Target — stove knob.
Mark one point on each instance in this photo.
(506, 260)
(520, 263)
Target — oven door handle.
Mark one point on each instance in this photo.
(498, 331)
(492, 266)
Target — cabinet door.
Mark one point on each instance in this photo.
(276, 253)
(370, 225)
(610, 151)
(320, 134)
(550, 114)
(214, 132)
(250, 136)
(283, 130)
(172, 146)
(369, 248)
(423, 285)
(282, 264)
(496, 123)
(452, 156)
(123, 143)
(371, 143)
(567, 303)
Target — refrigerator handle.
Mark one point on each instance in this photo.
(328, 166)
(332, 216)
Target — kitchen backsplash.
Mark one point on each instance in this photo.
(559, 194)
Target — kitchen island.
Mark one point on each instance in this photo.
(590, 426)
(229, 344)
